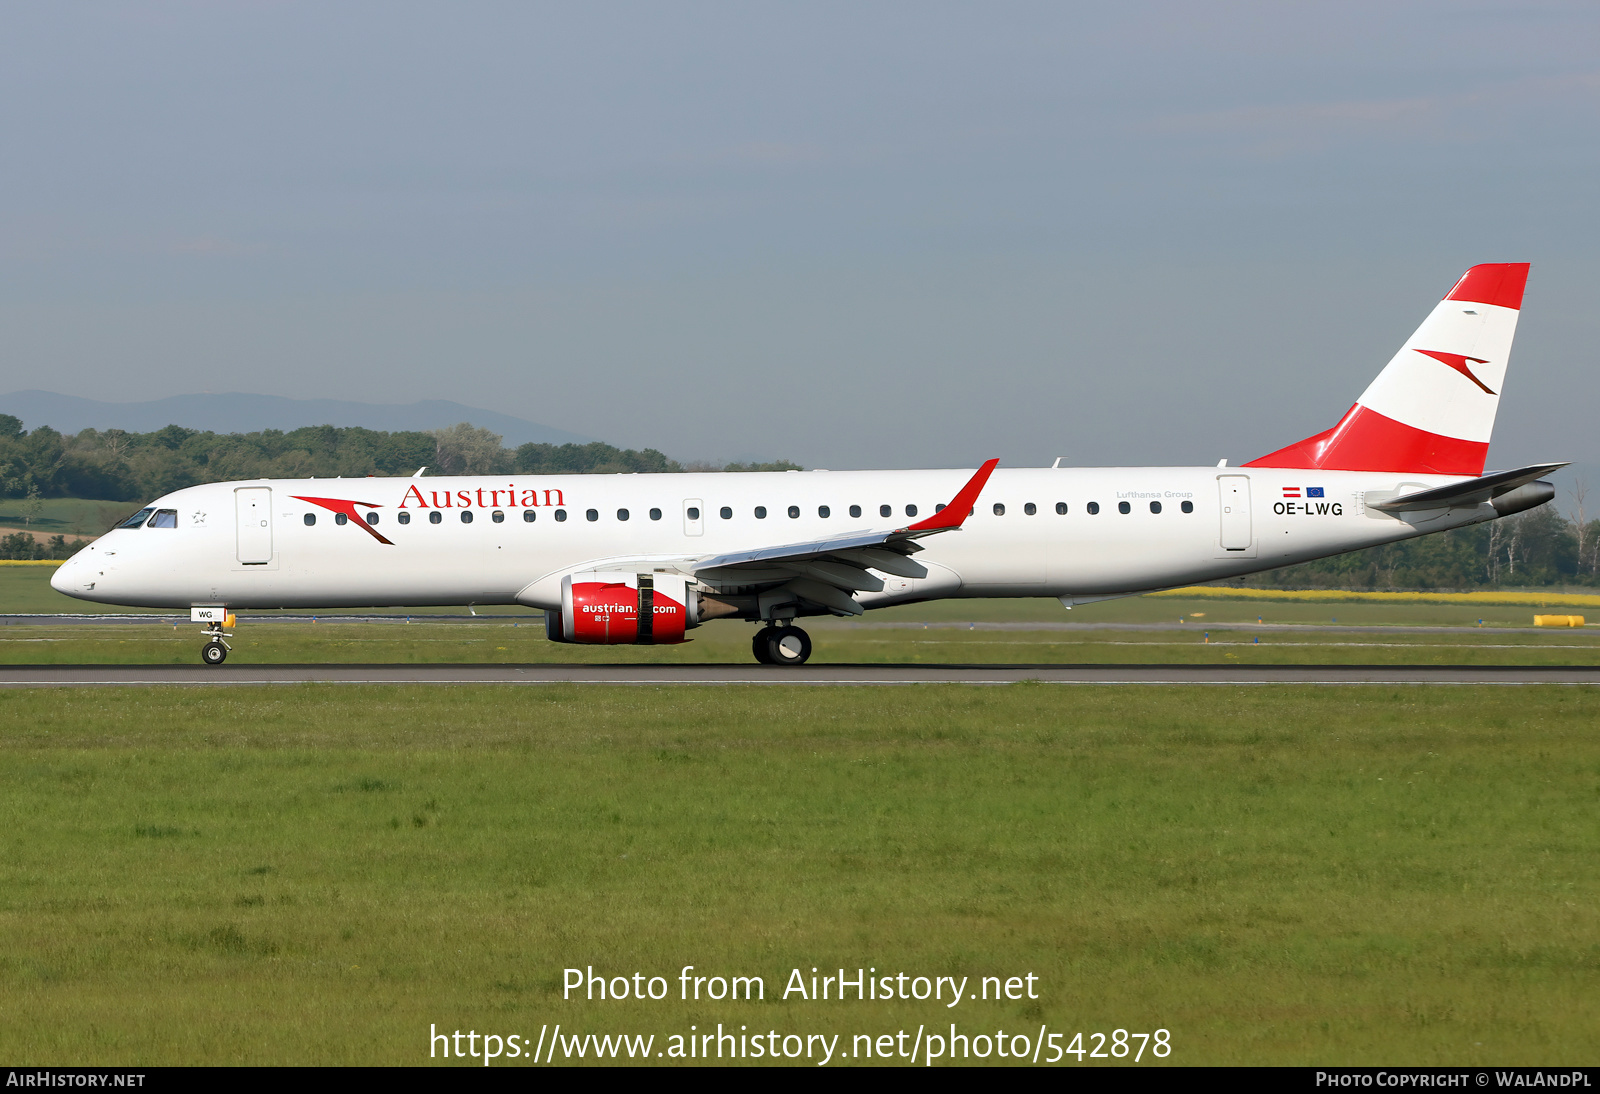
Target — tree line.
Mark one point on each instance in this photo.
(116, 465)
(1541, 547)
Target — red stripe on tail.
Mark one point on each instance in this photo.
(1497, 283)
(1365, 440)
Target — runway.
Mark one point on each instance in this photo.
(14, 676)
(80, 619)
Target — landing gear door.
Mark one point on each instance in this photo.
(253, 518)
(1235, 538)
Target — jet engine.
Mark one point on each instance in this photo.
(604, 608)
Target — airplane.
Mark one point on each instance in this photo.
(646, 558)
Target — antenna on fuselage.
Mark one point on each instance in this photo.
(419, 471)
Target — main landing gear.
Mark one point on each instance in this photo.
(781, 646)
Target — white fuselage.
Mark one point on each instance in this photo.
(249, 545)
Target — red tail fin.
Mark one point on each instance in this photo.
(1431, 410)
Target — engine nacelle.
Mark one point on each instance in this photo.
(604, 608)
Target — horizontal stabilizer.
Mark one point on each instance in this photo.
(1471, 492)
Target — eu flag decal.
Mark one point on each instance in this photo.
(1313, 491)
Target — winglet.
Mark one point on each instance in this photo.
(952, 515)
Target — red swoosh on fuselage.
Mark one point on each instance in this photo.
(348, 508)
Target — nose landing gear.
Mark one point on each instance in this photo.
(781, 646)
(214, 652)
(216, 649)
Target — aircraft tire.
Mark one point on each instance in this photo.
(788, 646)
(213, 653)
(760, 645)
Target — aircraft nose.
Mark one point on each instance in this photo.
(73, 578)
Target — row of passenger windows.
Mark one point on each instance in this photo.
(823, 511)
(726, 513)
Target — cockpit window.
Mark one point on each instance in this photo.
(137, 520)
(164, 518)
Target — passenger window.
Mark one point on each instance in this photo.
(622, 514)
(529, 516)
(164, 518)
(725, 513)
(403, 518)
(1155, 507)
(466, 516)
(884, 511)
(824, 512)
(1187, 507)
(855, 510)
(693, 513)
(911, 510)
(1093, 507)
(794, 512)
(372, 518)
(655, 514)
(341, 519)
(1061, 508)
(761, 512)
(310, 518)
(1030, 509)
(435, 517)
(591, 514)
(939, 508)
(1124, 507)
(999, 509)
(561, 515)
(138, 519)
(498, 517)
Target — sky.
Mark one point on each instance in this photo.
(848, 234)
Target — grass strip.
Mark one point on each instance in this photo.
(1275, 874)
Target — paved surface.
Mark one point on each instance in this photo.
(822, 675)
(535, 619)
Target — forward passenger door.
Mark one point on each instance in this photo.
(252, 507)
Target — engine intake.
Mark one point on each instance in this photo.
(609, 609)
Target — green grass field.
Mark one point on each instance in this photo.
(510, 642)
(1276, 875)
(70, 517)
(922, 633)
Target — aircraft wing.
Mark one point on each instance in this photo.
(1468, 493)
(827, 571)
(823, 571)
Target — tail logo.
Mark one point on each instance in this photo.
(1458, 362)
(347, 509)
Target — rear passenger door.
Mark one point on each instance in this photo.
(1235, 535)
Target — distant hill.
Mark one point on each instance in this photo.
(241, 413)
